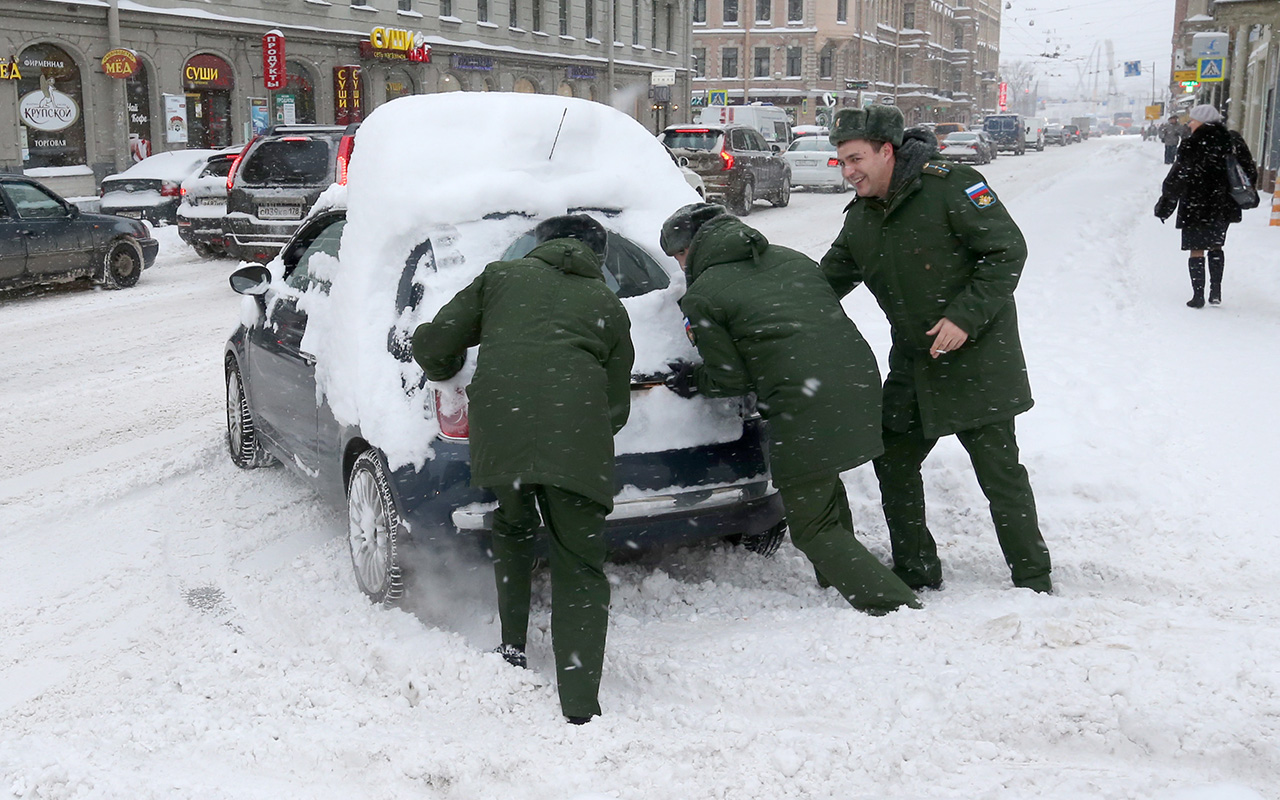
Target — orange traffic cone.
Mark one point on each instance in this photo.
(1275, 206)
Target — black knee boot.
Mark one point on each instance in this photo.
(1217, 261)
(1196, 266)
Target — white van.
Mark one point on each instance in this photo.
(1035, 132)
(771, 121)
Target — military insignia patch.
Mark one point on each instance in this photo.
(981, 195)
(688, 331)
(939, 170)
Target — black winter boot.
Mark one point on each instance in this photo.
(1196, 266)
(1217, 262)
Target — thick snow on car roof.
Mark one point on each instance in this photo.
(473, 172)
(173, 165)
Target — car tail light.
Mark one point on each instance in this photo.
(833, 162)
(168, 189)
(451, 413)
(295, 138)
(182, 191)
(345, 147)
(235, 165)
(727, 158)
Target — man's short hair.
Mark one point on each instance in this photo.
(573, 226)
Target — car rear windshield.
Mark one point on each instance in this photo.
(292, 160)
(218, 168)
(812, 144)
(700, 139)
(628, 269)
(1000, 124)
(961, 138)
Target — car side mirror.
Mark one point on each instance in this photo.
(254, 279)
(683, 161)
(777, 148)
(73, 211)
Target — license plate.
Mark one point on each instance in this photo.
(130, 214)
(279, 212)
(210, 201)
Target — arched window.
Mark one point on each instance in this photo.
(51, 108)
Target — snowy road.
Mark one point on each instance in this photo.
(175, 627)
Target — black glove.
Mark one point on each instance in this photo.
(682, 380)
(1165, 207)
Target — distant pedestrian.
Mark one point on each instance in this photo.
(1171, 134)
(765, 320)
(942, 256)
(1197, 188)
(552, 386)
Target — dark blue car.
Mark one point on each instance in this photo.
(675, 495)
(45, 239)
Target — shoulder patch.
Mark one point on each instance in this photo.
(933, 168)
(688, 331)
(981, 195)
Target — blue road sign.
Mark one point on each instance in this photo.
(1209, 69)
(718, 97)
(1132, 68)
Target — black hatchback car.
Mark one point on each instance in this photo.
(45, 239)
(736, 164)
(274, 182)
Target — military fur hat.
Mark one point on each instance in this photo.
(573, 226)
(679, 229)
(879, 123)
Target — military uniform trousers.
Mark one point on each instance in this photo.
(993, 450)
(821, 527)
(579, 588)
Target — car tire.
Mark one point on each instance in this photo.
(203, 250)
(784, 194)
(745, 199)
(122, 264)
(373, 530)
(764, 544)
(841, 187)
(242, 433)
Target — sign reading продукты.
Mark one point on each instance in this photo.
(273, 69)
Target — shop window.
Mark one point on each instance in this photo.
(729, 62)
(399, 83)
(138, 99)
(208, 81)
(51, 108)
(448, 83)
(760, 63)
(300, 90)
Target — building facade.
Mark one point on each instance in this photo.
(199, 75)
(936, 59)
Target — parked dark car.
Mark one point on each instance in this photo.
(151, 189)
(1072, 134)
(276, 180)
(1008, 131)
(671, 488)
(45, 239)
(736, 164)
(204, 204)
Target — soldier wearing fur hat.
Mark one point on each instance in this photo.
(942, 256)
(552, 386)
(764, 320)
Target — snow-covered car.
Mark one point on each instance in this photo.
(332, 315)
(965, 147)
(151, 189)
(46, 239)
(814, 164)
(204, 204)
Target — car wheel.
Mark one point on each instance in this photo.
(242, 435)
(841, 187)
(203, 250)
(784, 194)
(764, 544)
(122, 265)
(746, 199)
(373, 530)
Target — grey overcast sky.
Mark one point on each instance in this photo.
(1139, 30)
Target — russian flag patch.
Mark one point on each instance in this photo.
(981, 195)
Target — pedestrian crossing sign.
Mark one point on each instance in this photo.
(718, 97)
(1209, 70)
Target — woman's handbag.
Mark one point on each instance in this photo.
(1238, 185)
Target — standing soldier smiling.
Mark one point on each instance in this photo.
(942, 256)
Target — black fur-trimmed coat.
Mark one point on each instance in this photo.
(1197, 181)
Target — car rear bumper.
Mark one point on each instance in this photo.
(150, 247)
(159, 212)
(816, 176)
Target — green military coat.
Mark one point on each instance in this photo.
(764, 319)
(553, 375)
(941, 245)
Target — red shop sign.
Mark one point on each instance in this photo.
(206, 72)
(346, 94)
(273, 69)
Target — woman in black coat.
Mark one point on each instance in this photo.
(1197, 187)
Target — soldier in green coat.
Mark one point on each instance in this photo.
(764, 320)
(552, 386)
(942, 257)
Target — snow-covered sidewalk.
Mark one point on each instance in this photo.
(176, 628)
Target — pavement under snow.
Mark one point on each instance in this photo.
(174, 627)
